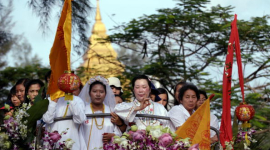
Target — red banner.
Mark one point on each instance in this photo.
(226, 126)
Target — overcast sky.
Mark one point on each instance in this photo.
(123, 10)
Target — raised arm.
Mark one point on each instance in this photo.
(128, 111)
(49, 116)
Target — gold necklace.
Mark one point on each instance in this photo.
(90, 134)
(97, 125)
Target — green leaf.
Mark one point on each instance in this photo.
(36, 112)
(39, 96)
(235, 126)
(260, 117)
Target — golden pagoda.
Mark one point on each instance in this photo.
(100, 58)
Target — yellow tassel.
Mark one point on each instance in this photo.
(246, 137)
(66, 110)
(246, 125)
(69, 96)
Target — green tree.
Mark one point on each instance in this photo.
(44, 9)
(6, 38)
(189, 42)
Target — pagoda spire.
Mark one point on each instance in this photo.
(98, 16)
(99, 27)
(100, 58)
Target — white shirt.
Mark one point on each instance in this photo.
(127, 113)
(213, 123)
(75, 109)
(92, 134)
(178, 115)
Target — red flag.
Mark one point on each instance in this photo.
(226, 127)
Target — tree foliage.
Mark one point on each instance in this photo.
(189, 42)
(44, 9)
(6, 38)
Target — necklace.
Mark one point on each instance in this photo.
(149, 111)
(66, 110)
(90, 134)
(97, 125)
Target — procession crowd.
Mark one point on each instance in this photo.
(101, 95)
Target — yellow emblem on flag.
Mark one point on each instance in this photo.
(197, 127)
(60, 51)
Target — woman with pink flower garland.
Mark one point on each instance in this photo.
(99, 98)
(141, 105)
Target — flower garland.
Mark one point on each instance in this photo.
(153, 138)
(243, 137)
(15, 128)
(15, 133)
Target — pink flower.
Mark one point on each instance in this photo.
(142, 132)
(55, 136)
(165, 139)
(138, 135)
(194, 147)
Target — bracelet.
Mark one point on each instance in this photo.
(121, 125)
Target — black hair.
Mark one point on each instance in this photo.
(123, 100)
(203, 93)
(176, 102)
(163, 91)
(12, 92)
(48, 75)
(81, 86)
(141, 77)
(22, 81)
(97, 82)
(32, 82)
(118, 88)
(188, 86)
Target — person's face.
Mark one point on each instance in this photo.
(116, 91)
(97, 94)
(20, 92)
(153, 97)
(15, 101)
(118, 100)
(163, 98)
(176, 93)
(201, 100)
(141, 89)
(33, 91)
(76, 92)
(189, 100)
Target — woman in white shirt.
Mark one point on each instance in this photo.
(99, 98)
(142, 104)
(188, 97)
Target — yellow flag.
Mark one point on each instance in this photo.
(60, 52)
(197, 127)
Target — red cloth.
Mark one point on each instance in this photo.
(226, 126)
(4, 107)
